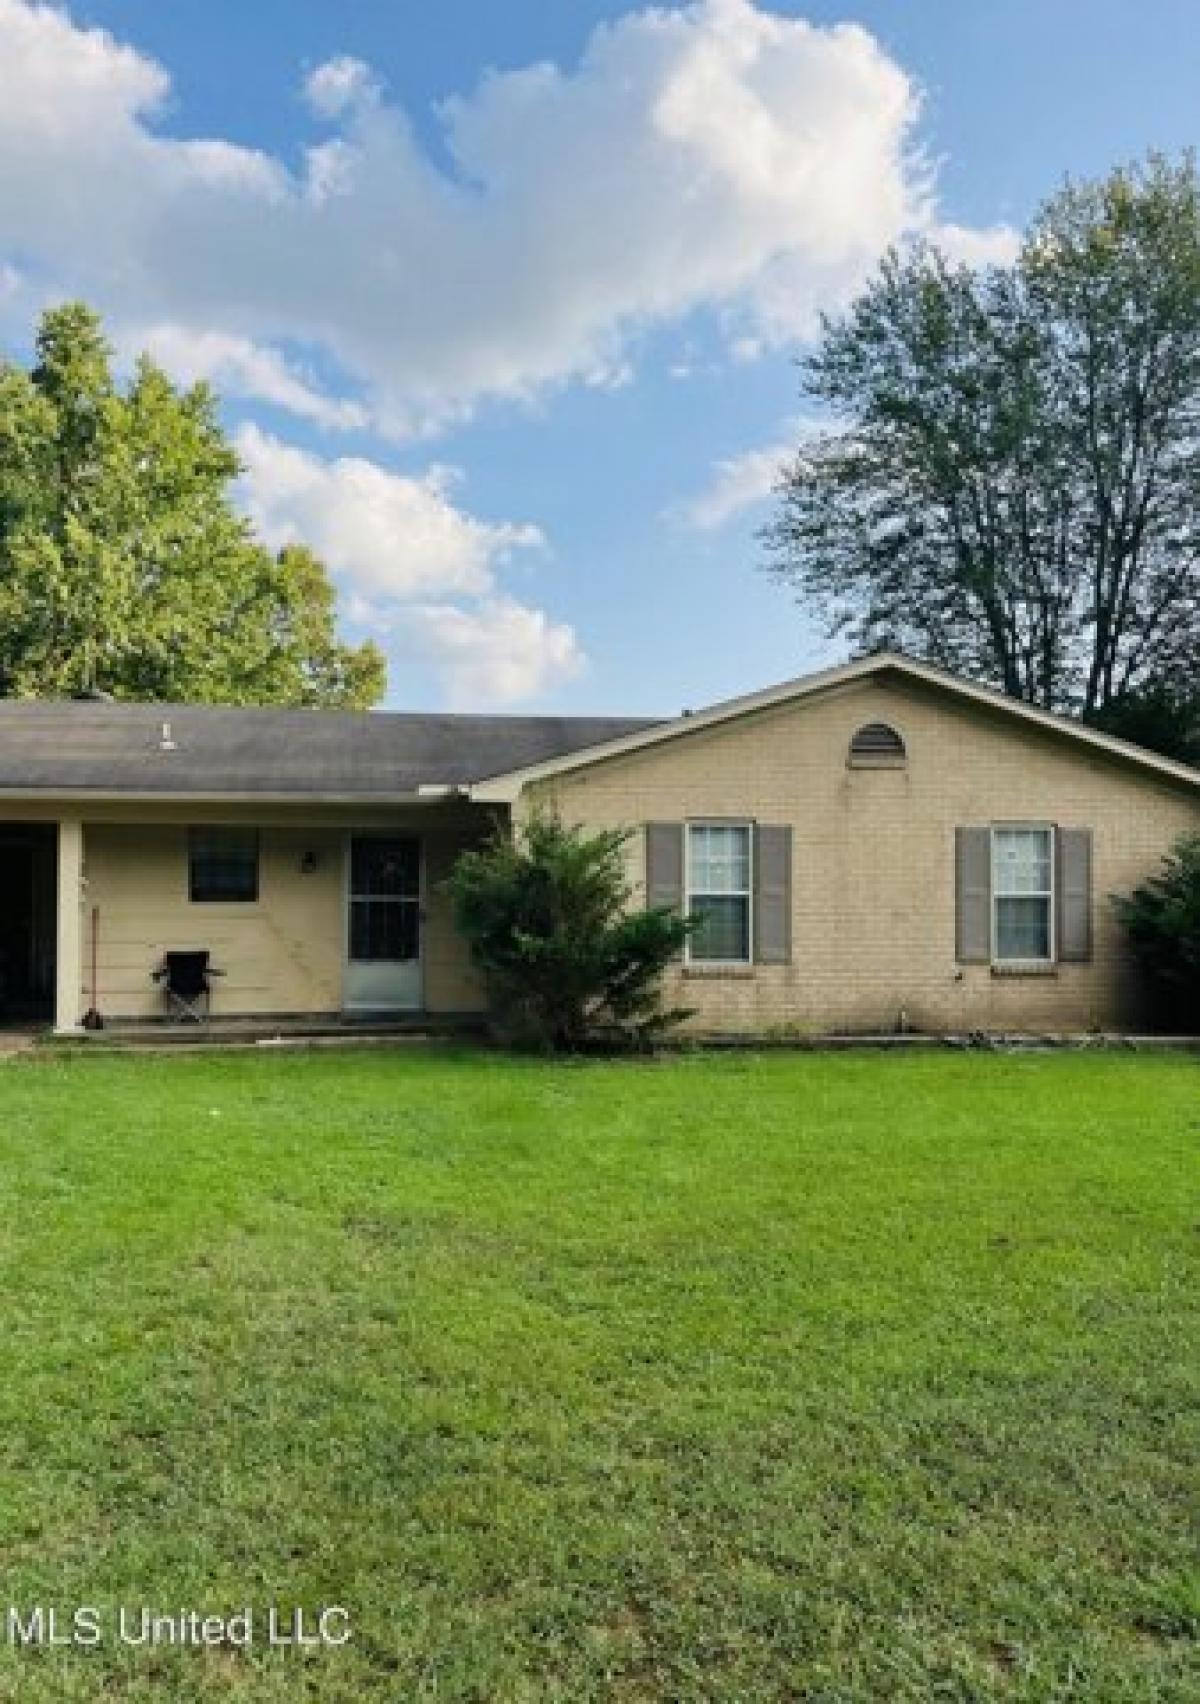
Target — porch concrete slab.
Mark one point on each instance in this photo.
(264, 1033)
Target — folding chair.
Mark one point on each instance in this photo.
(186, 980)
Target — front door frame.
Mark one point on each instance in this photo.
(383, 833)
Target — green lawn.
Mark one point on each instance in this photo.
(828, 1377)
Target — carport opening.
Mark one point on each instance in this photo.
(28, 921)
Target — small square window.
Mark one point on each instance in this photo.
(223, 865)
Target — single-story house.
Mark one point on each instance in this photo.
(876, 846)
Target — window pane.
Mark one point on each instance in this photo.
(720, 858)
(383, 929)
(1022, 928)
(380, 866)
(724, 931)
(223, 864)
(1022, 860)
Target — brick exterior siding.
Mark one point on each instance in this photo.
(873, 872)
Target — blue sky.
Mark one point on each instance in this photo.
(504, 300)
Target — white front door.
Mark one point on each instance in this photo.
(383, 923)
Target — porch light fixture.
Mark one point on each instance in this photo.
(308, 863)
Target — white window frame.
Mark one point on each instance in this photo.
(719, 822)
(1047, 828)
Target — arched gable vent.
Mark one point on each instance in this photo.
(877, 743)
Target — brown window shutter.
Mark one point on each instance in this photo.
(664, 865)
(772, 895)
(1073, 895)
(973, 895)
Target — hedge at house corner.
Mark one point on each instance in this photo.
(569, 959)
(1162, 919)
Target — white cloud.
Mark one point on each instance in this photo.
(339, 85)
(413, 567)
(994, 247)
(239, 367)
(715, 157)
(46, 55)
(739, 482)
(499, 652)
(388, 535)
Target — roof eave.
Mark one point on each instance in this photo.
(427, 798)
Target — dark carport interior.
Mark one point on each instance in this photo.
(28, 878)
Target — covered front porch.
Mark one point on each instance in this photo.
(313, 919)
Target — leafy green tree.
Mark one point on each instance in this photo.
(1012, 488)
(1162, 919)
(124, 566)
(567, 957)
(1161, 715)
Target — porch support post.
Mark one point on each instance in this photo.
(68, 992)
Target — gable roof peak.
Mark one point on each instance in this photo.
(874, 664)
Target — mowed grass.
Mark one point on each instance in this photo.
(746, 1377)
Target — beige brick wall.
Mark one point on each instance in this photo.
(284, 953)
(873, 875)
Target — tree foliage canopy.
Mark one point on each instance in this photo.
(124, 566)
(1164, 715)
(1013, 486)
(567, 957)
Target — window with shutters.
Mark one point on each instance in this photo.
(877, 745)
(1023, 894)
(718, 891)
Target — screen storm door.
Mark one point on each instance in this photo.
(383, 924)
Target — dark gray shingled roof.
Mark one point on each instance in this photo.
(105, 747)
